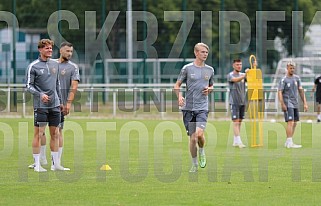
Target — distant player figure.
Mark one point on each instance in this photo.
(289, 88)
(317, 90)
(199, 79)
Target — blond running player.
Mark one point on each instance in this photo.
(199, 79)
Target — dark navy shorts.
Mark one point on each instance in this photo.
(237, 111)
(193, 119)
(318, 99)
(42, 116)
(62, 120)
(292, 114)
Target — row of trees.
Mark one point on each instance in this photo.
(205, 24)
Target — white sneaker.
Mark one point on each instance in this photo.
(59, 168)
(43, 161)
(240, 145)
(194, 168)
(39, 169)
(292, 145)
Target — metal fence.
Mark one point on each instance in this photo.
(136, 101)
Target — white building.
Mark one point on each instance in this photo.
(312, 47)
(26, 51)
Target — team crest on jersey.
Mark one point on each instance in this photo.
(206, 77)
(41, 70)
(54, 70)
(192, 76)
(288, 84)
(296, 83)
(63, 72)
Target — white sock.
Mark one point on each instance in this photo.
(54, 158)
(195, 161)
(201, 151)
(43, 152)
(289, 140)
(235, 139)
(36, 158)
(239, 139)
(59, 153)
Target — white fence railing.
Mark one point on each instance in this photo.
(120, 97)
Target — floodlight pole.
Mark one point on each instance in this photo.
(129, 21)
(184, 6)
(14, 52)
(259, 29)
(222, 56)
(103, 14)
(59, 24)
(295, 25)
(145, 50)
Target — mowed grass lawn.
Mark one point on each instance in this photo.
(150, 162)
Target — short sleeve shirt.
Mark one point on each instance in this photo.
(196, 78)
(289, 87)
(237, 89)
(68, 72)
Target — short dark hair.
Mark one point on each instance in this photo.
(237, 60)
(65, 43)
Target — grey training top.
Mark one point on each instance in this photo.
(289, 87)
(237, 89)
(42, 78)
(196, 78)
(68, 72)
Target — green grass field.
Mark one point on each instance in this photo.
(150, 162)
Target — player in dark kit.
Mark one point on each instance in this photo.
(317, 90)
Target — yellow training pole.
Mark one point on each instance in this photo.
(255, 98)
